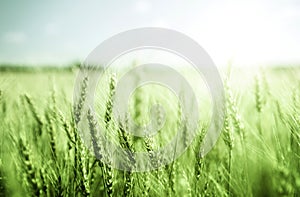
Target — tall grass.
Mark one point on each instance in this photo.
(42, 153)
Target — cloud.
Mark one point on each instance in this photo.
(52, 29)
(291, 12)
(142, 6)
(15, 37)
(160, 23)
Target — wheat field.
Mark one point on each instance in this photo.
(257, 154)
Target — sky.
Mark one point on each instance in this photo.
(256, 32)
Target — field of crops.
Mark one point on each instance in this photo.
(257, 154)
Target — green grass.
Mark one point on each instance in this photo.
(257, 154)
